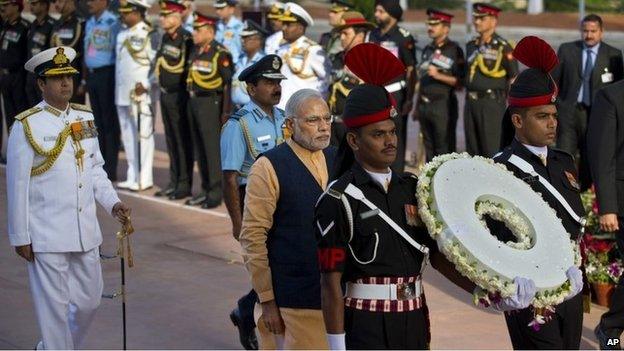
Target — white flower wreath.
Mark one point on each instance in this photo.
(464, 261)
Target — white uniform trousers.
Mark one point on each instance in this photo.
(129, 136)
(66, 289)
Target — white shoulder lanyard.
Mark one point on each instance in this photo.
(357, 194)
(527, 168)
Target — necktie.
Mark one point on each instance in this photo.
(587, 73)
(542, 158)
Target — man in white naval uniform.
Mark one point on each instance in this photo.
(274, 16)
(134, 57)
(305, 64)
(54, 177)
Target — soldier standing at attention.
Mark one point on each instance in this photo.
(13, 41)
(330, 41)
(208, 83)
(229, 27)
(490, 67)
(305, 64)
(441, 71)
(69, 31)
(38, 40)
(353, 29)
(134, 57)
(401, 44)
(252, 130)
(174, 50)
(101, 32)
(274, 14)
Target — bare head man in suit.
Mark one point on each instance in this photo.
(592, 30)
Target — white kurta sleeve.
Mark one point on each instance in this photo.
(103, 189)
(20, 158)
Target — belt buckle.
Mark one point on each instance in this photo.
(406, 291)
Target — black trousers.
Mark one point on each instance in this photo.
(563, 332)
(13, 96)
(33, 94)
(205, 121)
(101, 88)
(571, 138)
(482, 125)
(438, 119)
(178, 137)
(401, 131)
(387, 330)
(612, 322)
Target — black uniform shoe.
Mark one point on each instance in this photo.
(605, 342)
(164, 192)
(246, 333)
(211, 203)
(196, 200)
(177, 195)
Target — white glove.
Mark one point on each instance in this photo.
(576, 281)
(525, 293)
(336, 341)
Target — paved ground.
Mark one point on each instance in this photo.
(187, 278)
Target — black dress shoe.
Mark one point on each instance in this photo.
(246, 333)
(196, 200)
(177, 195)
(211, 203)
(164, 192)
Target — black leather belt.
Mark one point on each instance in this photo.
(486, 94)
(203, 93)
(100, 69)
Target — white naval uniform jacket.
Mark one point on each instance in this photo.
(305, 66)
(134, 57)
(55, 211)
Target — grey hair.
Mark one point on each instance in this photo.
(298, 98)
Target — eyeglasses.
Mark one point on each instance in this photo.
(316, 120)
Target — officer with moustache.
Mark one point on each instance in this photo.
(171, 71)
(248, 133)
(441, 72)
(208, 82)
(38, 40)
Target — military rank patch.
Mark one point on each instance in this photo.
(411, 215)
(83, 130)
(572, 180)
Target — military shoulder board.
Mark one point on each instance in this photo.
(31, 111)
(81, 107)
(405, 32)
(238, 114)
